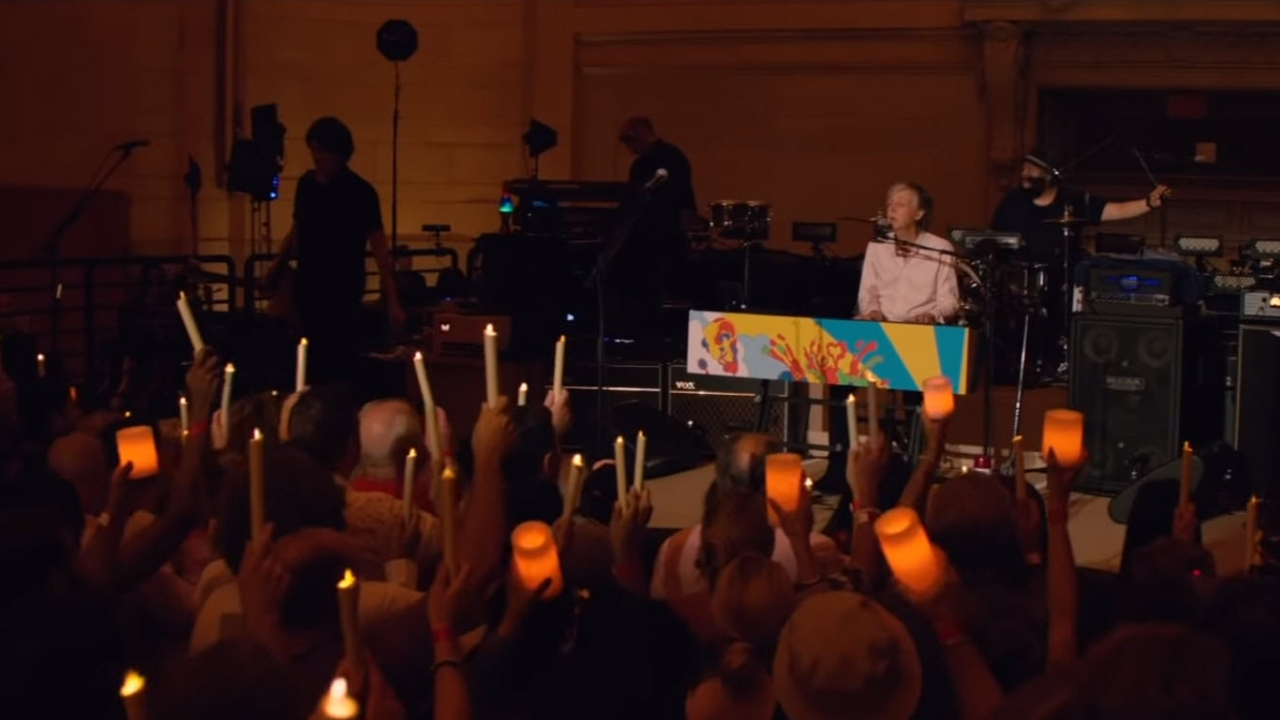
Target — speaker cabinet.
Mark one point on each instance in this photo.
(721, 406)
(623, 383)
(1257, 405)
(1128, 378)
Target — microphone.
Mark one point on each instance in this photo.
(131, 144)
(658, 178)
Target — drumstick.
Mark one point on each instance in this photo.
(1143, 162)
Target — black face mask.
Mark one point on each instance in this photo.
(1035, 186)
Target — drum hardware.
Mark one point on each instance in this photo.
(748, 222)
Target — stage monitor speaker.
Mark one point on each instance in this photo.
(1257, 403)
(721, 406)
(623, 382)
(1127, 377)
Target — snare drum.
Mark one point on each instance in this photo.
(741, 219)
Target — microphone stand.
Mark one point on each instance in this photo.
(986, 362)
(612, 245)
(53, 246)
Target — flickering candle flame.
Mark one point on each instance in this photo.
(535, 557)
(557, 376)
(228, 381)
(1064, 435)
(137, 445)
(1184, 480)
(939, 399)
(490, 365)
(783, 478)
(410, 471)
(447, 506)
(428, 406)
(573, 490)
(522, 395)
(300, 373)
(348, 604)
(640, 457)
(40, 367)
(620, 461)
(189, 322)
(338, 704)
(873, 413)
(1020, 469)
(133, 695)
(913, 559)
(257, 483)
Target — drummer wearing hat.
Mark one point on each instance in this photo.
(1040, 199)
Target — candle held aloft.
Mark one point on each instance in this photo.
(1064, 435)
(939, 399)
(522, 395)
(257, 484)
(851, 419)
(40, 366)
(133, 695)
(1184, 480)
(1020, 469)
(447, 506)
(228, 382)
(137, 445)
(620, 461)
(873, 411)
(912, 558)
(573, 490)
(641, 443)
(490, 365)
(783, 480)
(535, 557)
(184, 414)
(410, 471)
(1251, 534)
(300, 373)
(338, 703)
(557, 375)
(189, 322)
(348, 605)
(428, 406)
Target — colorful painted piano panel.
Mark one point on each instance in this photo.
(834, 352)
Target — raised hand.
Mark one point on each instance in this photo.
(561, 417)
(493, 432)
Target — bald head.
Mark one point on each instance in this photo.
(388, 428)
(637, 134)
(80, 459)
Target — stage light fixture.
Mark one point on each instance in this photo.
(1198, 246)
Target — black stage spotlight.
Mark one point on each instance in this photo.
(397, 40)
(540, 138)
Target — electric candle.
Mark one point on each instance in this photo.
(300, 373)
(535, 557)
(257, 483)
(448, 508)
(1020, 469)
(620, 461)
(939, 400)
(557, 377)
(184, 414)
(189, 321)
(348, 604)
(428, 406)
(907, 549)
(639, 467)
(40, 369)
(410, 470)
(1251, 534)
(1064, 435)
(873, 414)
(1184, 480)
(490, 365)
(574, 489)
(228, 380)
(522, 395)
(851, 418)
(137, 445)
(783, 478)
(338, 704)
(132, 695)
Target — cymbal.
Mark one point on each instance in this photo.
(857, 219)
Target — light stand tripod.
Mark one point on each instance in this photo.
(397, 41)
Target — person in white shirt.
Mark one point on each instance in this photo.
(909, 281)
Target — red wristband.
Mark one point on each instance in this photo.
(442, 634)
(949, 632)
(629, 570)
(198, 429)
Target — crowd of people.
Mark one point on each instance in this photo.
(749, 614)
